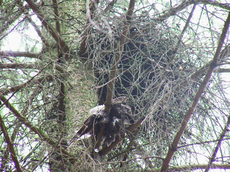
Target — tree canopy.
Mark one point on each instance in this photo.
(156, 74)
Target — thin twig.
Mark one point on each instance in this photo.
(26, 83)
(185, 4)
(19, 54)
(18, 66)
(27, 123)
(199, 167)
(10, 145)
(182, 33)
(5, 91)
(222, 135)
(46, 43)
(189, 113)
(10, 21)
(61, 43)
(118, 57)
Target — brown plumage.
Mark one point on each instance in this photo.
(115, 123)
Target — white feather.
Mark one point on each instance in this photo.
(97, 110)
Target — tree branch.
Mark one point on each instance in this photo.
(27, 82)
(110, 5)
(18, 125)
(61, 43)
(199, 167)
(223, 70)
(10, 21)
(222, 135)
(118, 57)
(46, 43)
(19, 54)
(172, 11)
(10, 145)
(212, 66)
(182, 33)
(5, 91)
(199, 73)
(18, 66)
(27, 123)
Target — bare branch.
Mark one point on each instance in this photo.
(110, 5)
(199, 167)
(12, 29)
(61, 43)
(183, 31)
(9, 23)
(38, 81)
(10, 145)
(27, 123)
(212, 66)
(223, 55)
(18, 66)
(56, 15)
(18, 125)
(185, 4)
(223, 70)
(225, 6)
(118, 57)
(222, 135)
(26, 83)
(19, 54)
(38, 31)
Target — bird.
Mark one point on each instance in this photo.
(115, 123)
(90, 125)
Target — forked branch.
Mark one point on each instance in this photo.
(113, 70)
(189, 113)
(119, 50)
(61, 43)
(222, 135)
(27, 123)
(10, 145)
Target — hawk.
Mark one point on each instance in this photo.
(115, 123)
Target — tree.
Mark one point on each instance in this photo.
(168, 60)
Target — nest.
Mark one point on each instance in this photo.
(152, 72)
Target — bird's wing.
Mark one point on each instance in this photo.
(87, 126)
